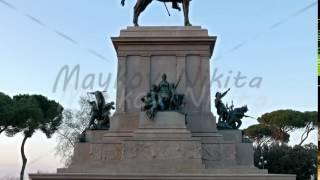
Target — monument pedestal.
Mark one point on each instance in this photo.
(173, 145)
(162, 145)
(183, 54)
(162, 148)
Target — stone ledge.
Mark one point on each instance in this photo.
(164, 176)
(232, 135)
(167, 31)
(163, 38)
(180, 139)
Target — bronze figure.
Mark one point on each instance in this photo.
(100, 112)
(229, 117)
(162, 97)
(141, 5)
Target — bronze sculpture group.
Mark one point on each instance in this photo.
(162, 97)
(141, 5)
(229, 117)
(100, 112)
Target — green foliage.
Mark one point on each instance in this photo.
(286, 119)
(6, 112)
(259, 133)
(35, 112)
(276, 126)
(311, 116)
(27, 114)
(299, 160)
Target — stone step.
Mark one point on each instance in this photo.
(163, 176)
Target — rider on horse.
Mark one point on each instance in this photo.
(141, 5)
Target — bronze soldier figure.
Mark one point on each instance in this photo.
(164, 93)
(229, 117)
(221, 108)
(151, 102)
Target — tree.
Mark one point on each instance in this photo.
(73, 124)
(283, 159)
(32, 113)
(270, 136)
(277, 125)
(260, 134)
(283, 122)
(6, 112)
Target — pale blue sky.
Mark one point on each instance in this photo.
(278, 43)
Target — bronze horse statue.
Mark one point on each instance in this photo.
(141, 5)
(233, 120)
(235, 116)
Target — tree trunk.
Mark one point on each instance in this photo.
(24, 158)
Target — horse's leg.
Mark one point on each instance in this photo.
(138, 9)
(137, 12)
(186, 12)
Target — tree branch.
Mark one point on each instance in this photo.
(66, 137)
(306, 133)
(3, 129)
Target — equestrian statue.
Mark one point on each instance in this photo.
(229, 117)
(141, 5)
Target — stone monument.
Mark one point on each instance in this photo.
(183, 144)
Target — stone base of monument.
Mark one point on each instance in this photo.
(163, 176)
(162, 148)
(172, 146)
